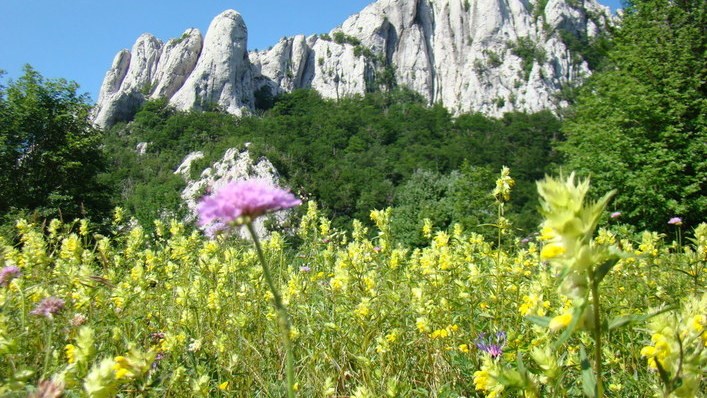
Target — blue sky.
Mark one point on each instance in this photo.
(77, 39)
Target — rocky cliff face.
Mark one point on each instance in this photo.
(490, 56)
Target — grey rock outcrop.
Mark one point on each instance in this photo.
(489, 56)
(235, 165)
(178, 59)
(150, 70)
(222, 76)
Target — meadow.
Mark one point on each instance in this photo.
(173, 313)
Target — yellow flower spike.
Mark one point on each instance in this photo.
(502, 192)
(427, 228)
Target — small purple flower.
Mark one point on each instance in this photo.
(48, 307)
(492, 345)
(160, 356)
(377, 249)
(7, 274)
(675, 221)
(615, 214)
(304, 268)
(251, 199)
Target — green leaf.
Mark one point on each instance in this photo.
(636, 318)
(539, 320)
(604, 269)
(589, 381)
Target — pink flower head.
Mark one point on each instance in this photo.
(251, 198)
(48, 307)
(675, 221)
(7, 274)
(615, 214)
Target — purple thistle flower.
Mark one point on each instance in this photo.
(494, 350)
(251, 199)
(48, 307)
(7, 274)
(492, 345)
(304, 268)
(615, 214)
(675, 221)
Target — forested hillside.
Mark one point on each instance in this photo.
(352, 155)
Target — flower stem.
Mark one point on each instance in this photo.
(597, 339)
(48, 349)
(283, 317)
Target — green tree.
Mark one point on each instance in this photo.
(50, 154)
(639, 126)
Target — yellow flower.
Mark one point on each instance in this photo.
(122, 367)
(439, 334)
(422, 324)
(223, 386)
(392, 336)
(551, 250)
(560, 321)
(485, 379)
(363, 309)
(70, 350)
(615, 387)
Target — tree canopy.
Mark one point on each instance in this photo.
(640, 125)
(50, 154)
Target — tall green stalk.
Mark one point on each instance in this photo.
(283, 317)
(597, 340)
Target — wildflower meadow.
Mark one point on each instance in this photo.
(584, 307)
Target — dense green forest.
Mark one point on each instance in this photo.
(352, 155)
(637, 125)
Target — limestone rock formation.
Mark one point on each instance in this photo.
(489, 56)
(178, 59)
(222, 75)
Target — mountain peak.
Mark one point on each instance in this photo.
(489, 56)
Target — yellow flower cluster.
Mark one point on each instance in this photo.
(677, 350)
